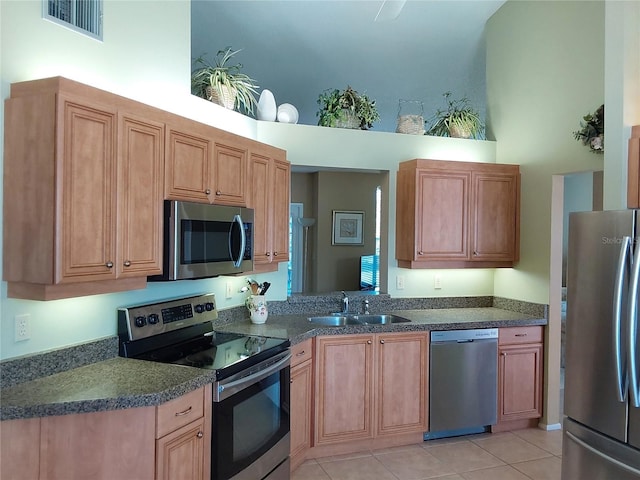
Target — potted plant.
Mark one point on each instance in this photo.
(346, 109)
(224, 84)
(458, 120)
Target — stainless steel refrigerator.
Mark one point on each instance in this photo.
(601, 431)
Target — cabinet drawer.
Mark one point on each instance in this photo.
(181, 411)
(301, 352)
(515, 335)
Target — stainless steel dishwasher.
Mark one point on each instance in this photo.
(463, 382)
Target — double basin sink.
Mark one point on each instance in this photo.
(343, 319)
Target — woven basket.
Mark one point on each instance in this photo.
(226, 97)
(348, 119)
(411, 124)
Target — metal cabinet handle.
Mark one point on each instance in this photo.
(127, 263)
(184, 412)
(200, 434)
(109, 264)
(299, 354)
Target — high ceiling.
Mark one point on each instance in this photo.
(298, 48)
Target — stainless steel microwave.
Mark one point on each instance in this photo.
(202, 240)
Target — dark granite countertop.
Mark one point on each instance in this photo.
(111, 384)
(118, 383)
(297, 328)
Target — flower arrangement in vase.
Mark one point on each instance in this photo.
(591, 131)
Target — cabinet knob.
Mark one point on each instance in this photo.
(200, 434)
(207, 191)
(382, 341)
(368, 342)
(218, 192)
(268, 254)
(127, 263)
(109, 264)
(291, 380)
(420, 253)
(275, 254)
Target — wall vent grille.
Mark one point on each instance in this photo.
(84, 16)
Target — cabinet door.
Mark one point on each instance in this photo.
(301, 402)
(442, 215)
(180, 454)
(260, 198)
(101, 445)
(280, 189)
(494, 216)
(519, 382)
(402, 383)
(229, 174)
(86, 172)
(344, 366)
(140, 193)
(187, 165)
(20, 449)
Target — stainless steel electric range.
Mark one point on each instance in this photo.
(250, 434)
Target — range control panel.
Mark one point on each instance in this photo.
(153, 319)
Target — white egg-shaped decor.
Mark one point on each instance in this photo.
(287, 113)
(267, 109)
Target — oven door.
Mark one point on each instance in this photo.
(250, 435)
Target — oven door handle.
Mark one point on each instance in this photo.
(237, 220)
(225, 390)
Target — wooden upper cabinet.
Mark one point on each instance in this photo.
(457, 214)
(270, 194)
(204, 164)
(84, 181)
(633, 169)
(230, 169)
(140, 186)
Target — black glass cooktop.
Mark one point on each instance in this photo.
(227, 353)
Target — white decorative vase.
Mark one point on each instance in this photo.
(257, 306)
(267, 109)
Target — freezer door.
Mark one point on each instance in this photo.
(589, 455)
(591, 385)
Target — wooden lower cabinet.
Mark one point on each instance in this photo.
(301, 406)
(137, 443)
(370, 386)
(520, 351)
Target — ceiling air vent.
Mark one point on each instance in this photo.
(84, 16)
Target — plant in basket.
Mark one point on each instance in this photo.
(346, 109)
(458, 120)
(224, 84)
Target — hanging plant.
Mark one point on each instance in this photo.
(591, 131)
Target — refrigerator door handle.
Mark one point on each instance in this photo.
(632, 329)
(623, 259)
(603, 455)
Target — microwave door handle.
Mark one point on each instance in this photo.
(243, 241)
(620, 363)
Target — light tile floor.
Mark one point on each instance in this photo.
(530, 454)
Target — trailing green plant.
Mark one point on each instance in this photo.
(459, 116)
(591, 131)
(335, 105)
(207, 77)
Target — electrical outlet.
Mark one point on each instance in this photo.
(22, 327)
(400, 282)
(228, 290)
(437, 282)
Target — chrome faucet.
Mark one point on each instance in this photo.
(365, 307)
(345, 303)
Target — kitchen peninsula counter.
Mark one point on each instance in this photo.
(119, 383)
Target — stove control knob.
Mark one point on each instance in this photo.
(140, 321)
(199, 308)
(153, 319)
(209, 306)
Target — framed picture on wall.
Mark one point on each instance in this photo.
(347, 228)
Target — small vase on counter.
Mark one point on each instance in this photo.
(257, 306)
